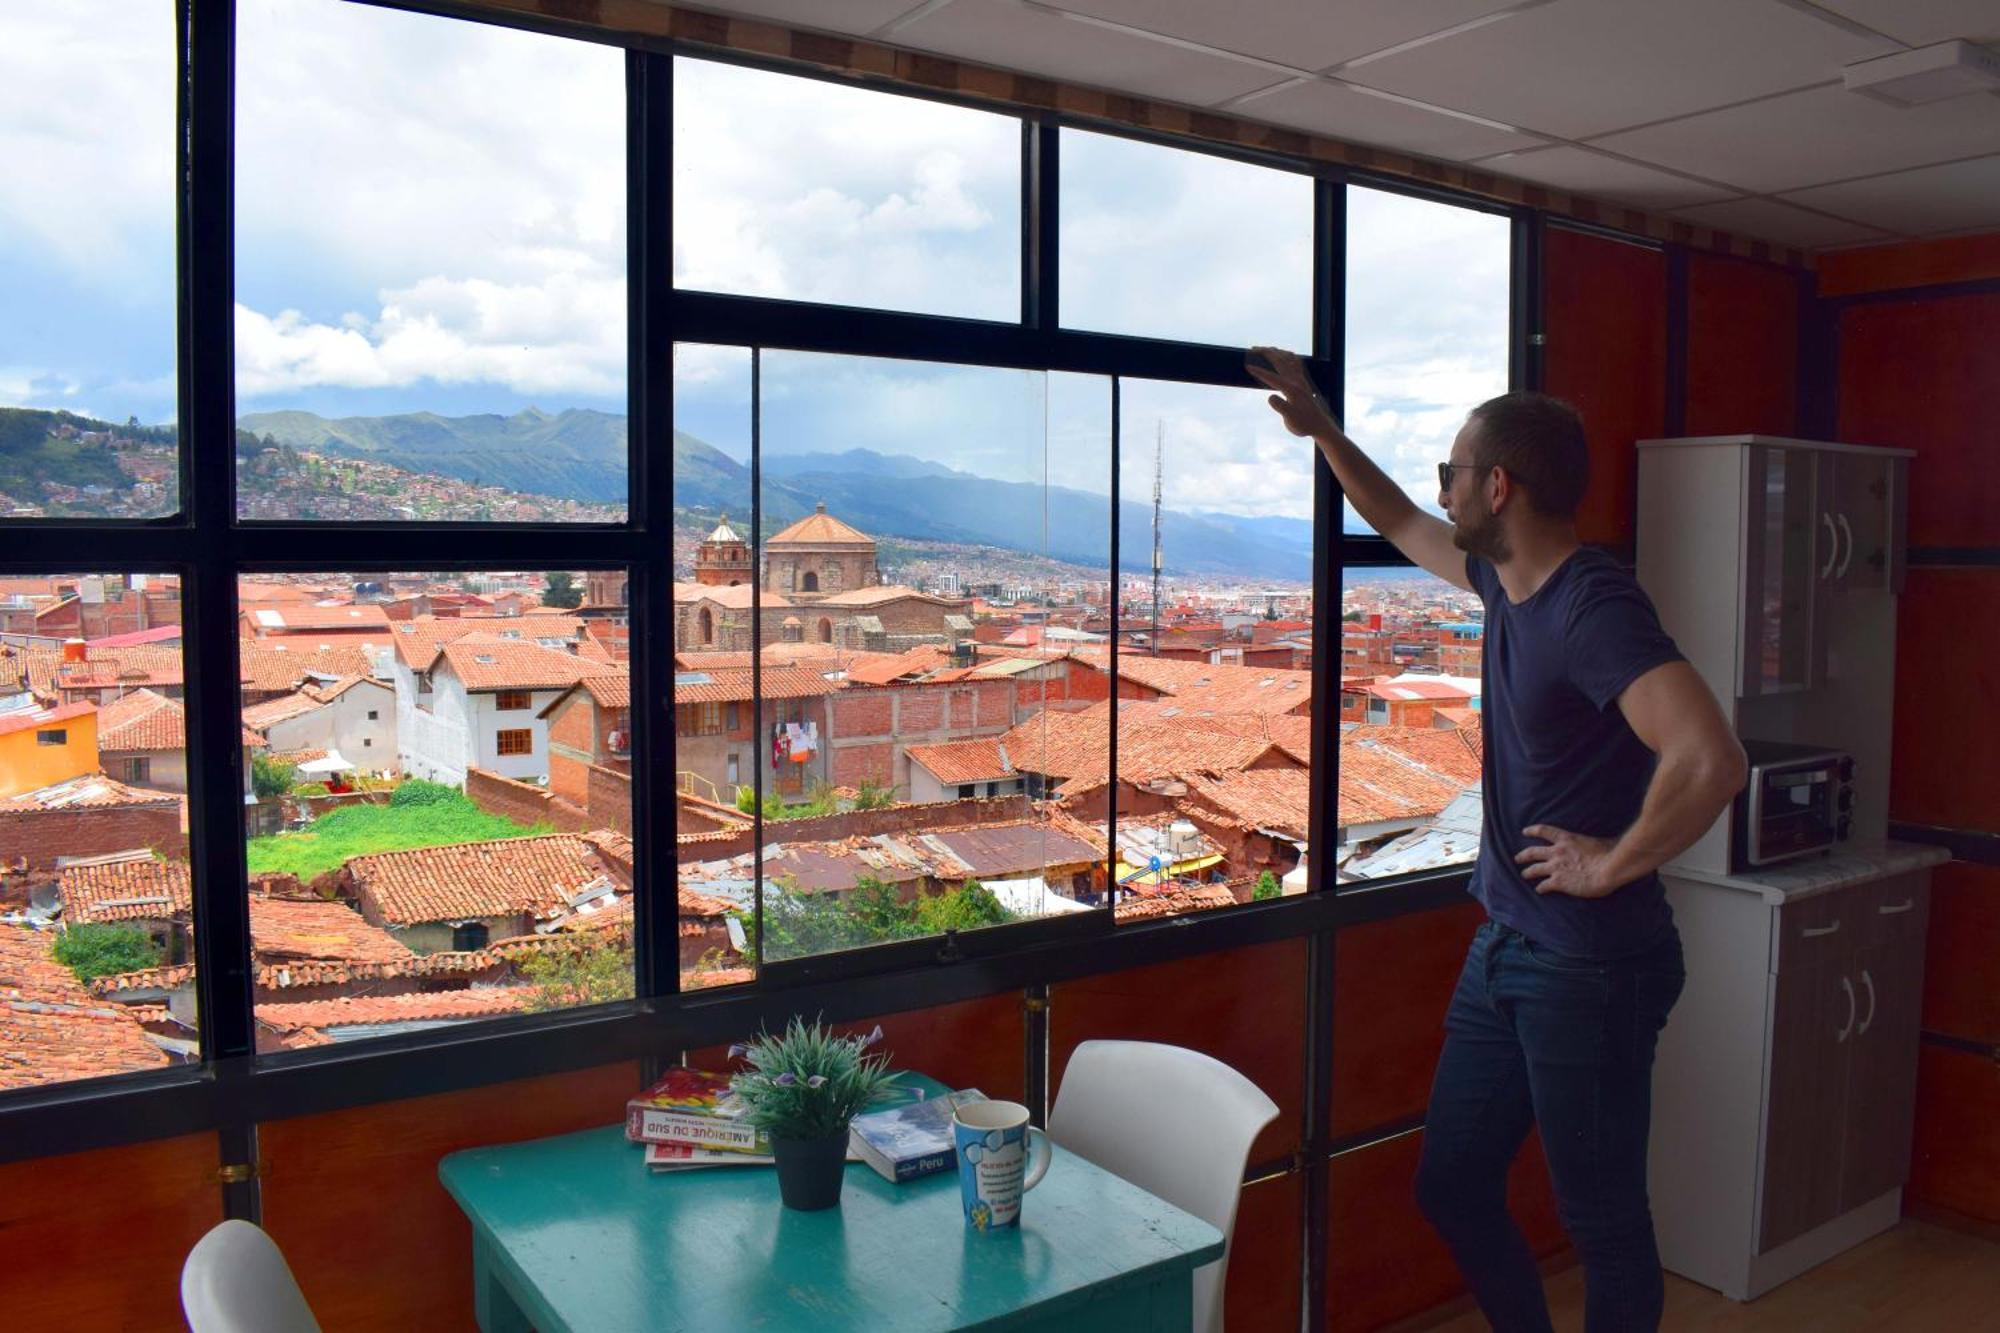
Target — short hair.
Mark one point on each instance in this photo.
(1539, 441)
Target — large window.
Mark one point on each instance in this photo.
(88, 394)
(1427, 326)
(430, 269)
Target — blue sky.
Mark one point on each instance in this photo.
(430, 216)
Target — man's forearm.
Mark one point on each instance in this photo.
(1382, 504)
(1686, 794)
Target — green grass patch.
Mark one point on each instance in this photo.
(338, 836)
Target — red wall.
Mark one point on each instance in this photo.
(1743, 348)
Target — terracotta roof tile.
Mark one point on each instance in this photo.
(417, 641)
(733, 684)
(1276, 799)
(30, 719)
(1077, 747)
(820, 529)
(258, 717)
(308, 617)
(963, 761)
(423, 1006)
(499, 877)
(1220, 688)
(51, 1029)
(285, 929)
(137, 890)
(92, 791)
(483, 662)
(1175, 902)
(141, 721)
(274, 664)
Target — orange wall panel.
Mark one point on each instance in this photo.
(1956, 1162)
(353, 1199)
(1262, 1289)
(1392, 981)
(1242, 1007)
(1920, 375)
(1743, 347)
(1943, 766)
(1881, 268)
(95, 1240)
(1961, 994)
(1605, 312)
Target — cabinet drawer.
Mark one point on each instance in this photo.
(1893, 910)
(1815, 931)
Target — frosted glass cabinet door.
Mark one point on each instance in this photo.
(1790, 537)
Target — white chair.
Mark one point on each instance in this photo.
(235, 1280)
(1172, 1121)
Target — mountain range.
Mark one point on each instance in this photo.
(581, 454)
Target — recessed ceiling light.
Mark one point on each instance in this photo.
(1927, 74)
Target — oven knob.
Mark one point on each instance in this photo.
(1840, 829)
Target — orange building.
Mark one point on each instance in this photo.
(40, 747)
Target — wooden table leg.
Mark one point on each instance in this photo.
(492, 1304)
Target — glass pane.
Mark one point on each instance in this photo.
(814, 191)
(1410, 736)
(440, 807)
(1214, 746)
(88, 359)
(1427, 328)
(430, 269)
(97, 970)
(1166, 243)
(917, 611)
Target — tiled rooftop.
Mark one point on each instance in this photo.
(1076, 747)
(1271, 798)
(484, 662)
(141, 889)
(310, 1018)
(52, 1029)
(92, 791)
(963, 761)
(499, 877)
(291, 929)
(308, 617)
(276, 664)
(733, 684)
(417, 641)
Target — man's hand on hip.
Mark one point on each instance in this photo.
(1571, 863)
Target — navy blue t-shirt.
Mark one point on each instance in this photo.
(1558, 749)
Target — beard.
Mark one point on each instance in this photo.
(1482, 535)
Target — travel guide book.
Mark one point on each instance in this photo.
(686, 1157)
(693, 1107)
(912, 1140)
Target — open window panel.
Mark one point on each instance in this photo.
(439, 806)
(430, 312)
(869, 664)
(97, 963)
(88, 362)
(1215, 652)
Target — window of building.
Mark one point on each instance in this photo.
(138, 771)
(373, 715)
(52, 736)
(518, 740)
(508, 701)
(470, 936)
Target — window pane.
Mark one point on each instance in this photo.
(430, 269)
(88, 387)
(96, 925)
(1410, 736)
(1166, 243)
(1427, 322)
(927, 564)
(813, 191)
(1215, 672)
(419, 853)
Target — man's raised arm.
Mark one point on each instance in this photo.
(1424, 538)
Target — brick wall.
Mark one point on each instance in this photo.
(855, 764)
(40, 836)
(864, 712)
(866, 823)
(608, 799)
(522, 802)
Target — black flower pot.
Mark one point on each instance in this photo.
(810, 1170)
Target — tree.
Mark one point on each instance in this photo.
(1353, 617)
(590, 973)
(968, 907)
(271, 778)
(562, 591)
(872, 796)
(92, 950)
(1267, 887)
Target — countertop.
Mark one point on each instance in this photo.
(1809, 876)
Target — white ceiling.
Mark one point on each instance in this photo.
(1726, 113)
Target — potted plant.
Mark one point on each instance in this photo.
(803, 1088)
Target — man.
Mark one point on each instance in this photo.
(1605, 756)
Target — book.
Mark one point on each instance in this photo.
(913, 1140)
(685, 1156)
(696, 1108)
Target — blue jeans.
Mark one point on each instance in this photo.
(1536, 1037)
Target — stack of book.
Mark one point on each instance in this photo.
(690, 1118)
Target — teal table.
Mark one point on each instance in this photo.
(574, 1233)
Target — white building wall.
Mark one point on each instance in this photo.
(487, 722)
(434, 729)
(344, 725)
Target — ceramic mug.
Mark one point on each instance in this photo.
(993, 1141)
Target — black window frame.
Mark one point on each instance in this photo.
(207, 546)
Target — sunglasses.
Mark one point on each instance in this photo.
(1446, 469)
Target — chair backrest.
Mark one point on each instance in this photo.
(236, 1280)
(1172, 1121)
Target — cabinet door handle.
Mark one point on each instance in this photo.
(1852, 1007)
(1907, 905)
(1832, 545)
(1814, 932)
(1847, 545)
(1869, 982)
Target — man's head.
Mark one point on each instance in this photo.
(1519, 459)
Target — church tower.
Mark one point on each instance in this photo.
(723, 559)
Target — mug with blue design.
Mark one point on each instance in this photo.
(994, 1140)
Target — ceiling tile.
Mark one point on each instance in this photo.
(1323, 107)
(1581, 67)
(1815, 137)
(1955, 196)
(995, 32)
(854, 17)
(1921, 22)
(1581, 171)
(1311, 34)
(1769, 220)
